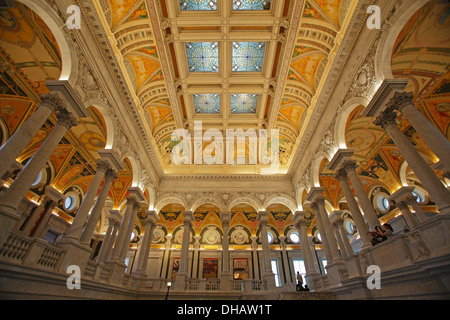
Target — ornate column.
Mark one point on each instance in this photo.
(123, 237)
(323, 235)
(255, 257)
(341, 234)
(182, 274)
(336, 268)
(269, 276)
(438, 143)
(150, 223)
(423, 171)
(76, 229)
(225, 218)
(15, 193)
(369, 212)
(328, 230)
(168, 244)
(195, 256)
(285, 259)
(35, 225)
(23, 135)
(300, 223)
(110, 236)
(89, 229)
(341, 176)
(401, 198)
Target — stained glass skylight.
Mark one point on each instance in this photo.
(244, 103)
(198, 5)
(203, 56)
(251, 4)
(247, 56)
(207, 103)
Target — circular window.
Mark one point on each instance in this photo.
(40, 179)
(294, 237)
(269, 237)
(68, 204)
(349, 227)
(71, 202)
(419, 196)
(382, 203)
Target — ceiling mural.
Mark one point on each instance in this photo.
(197, 48)
(22, 35)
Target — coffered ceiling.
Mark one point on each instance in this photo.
(235, 64)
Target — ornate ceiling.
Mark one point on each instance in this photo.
(229, 64)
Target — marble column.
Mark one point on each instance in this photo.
(76, 229)
(300, 223)
(285, 259)
(225, 217)
(142, 261)
(25, 133)
(369, 212)
(89, 229)
(341, 234)
(11, 198)
(419, 166)
(323, 235)
(195, 257)
(268, 275)
(182, 273)
(358, 218)
(125, 244)
(438, 143)
(255, 259)
(110, 236)
(39, 219)
(328, 230)
(167, 246)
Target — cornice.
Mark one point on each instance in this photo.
(132, 124)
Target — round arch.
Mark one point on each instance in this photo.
(341, 121)
(197, 203)
(135, 167)
(399, 19)
(56, 26)
(103, 110)
(283, 199)
(315, 167)
(255, 204)
(168, 199)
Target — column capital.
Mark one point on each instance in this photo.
(400, 100)
(300, 217)
(66, 119)
(188, 216)
(349, 166)
(340, 156)
(225, 216)
(263, 216)
(152, 217)
(314, 194)
(401, 194)
(115, 216)
(336, 217)
(385, 119)
(111, 175)
(340, 175)
(53, 101)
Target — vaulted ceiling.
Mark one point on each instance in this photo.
(229, 64)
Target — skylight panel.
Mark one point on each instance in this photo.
(251, 5)
(243, 103)
(207, 103)
(198, 5)
(203, 56)
(247, 56)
